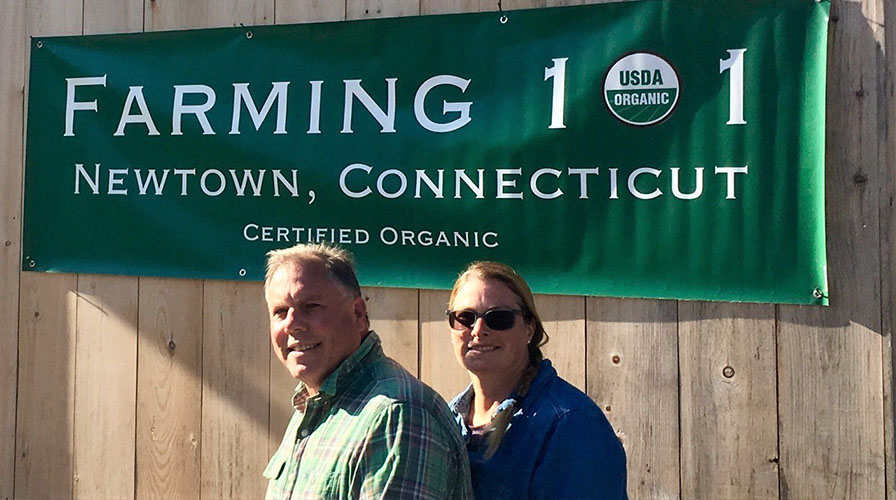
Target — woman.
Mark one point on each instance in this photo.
(529, 433)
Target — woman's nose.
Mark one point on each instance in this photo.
(479, 329)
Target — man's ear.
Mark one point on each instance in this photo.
(359, 309)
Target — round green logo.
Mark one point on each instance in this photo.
(641, 89)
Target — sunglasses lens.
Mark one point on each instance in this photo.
(500, 319)
(496, 319)
(461, 319)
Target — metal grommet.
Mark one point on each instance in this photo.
(242, 272)
(40, 44)
(249, 35)
(503, 19)
(31, 263)
(817, 293)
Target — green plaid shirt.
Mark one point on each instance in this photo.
(372, 431)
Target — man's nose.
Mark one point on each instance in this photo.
(295, 323)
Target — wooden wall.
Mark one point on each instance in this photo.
(123, 387)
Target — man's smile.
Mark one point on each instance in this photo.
(302, 347)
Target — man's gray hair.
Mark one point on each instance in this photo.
(337, 260)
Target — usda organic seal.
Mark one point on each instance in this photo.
(641, 89)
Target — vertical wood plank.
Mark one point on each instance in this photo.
(236, 364)
(47, 314)
(486, 5)
(12, 78)
(176, 15)
(234, 12)
(829, 359)
(308, 11)
(169, 388)
(179, 14)
(438, 366)
(105, 387)
(45, 413)
(564, 320)
(393, 315)
(170, 383)
(369, 9)
(106, 348)
(633, 377)
(888, 256)
(729, 431)
(112, 16)
(449, 6)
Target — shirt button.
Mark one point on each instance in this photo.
(304, 433)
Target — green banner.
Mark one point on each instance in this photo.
(670, 149)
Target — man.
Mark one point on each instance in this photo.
(363, 427)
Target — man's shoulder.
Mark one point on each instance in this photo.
(383, 383)
(389, 381)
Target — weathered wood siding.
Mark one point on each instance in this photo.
(124, 387)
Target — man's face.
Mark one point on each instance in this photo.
(315, 322)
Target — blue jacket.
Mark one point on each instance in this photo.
(558, 445)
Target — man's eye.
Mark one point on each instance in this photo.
(312, 306)
(280, 312)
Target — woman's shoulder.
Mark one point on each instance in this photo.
(552, 393)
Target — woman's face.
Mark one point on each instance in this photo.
(483, 350)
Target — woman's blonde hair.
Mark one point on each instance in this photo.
(487, 271)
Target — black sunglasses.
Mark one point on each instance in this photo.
(495, 319)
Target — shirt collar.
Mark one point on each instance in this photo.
(461, 404)
(545, 372)
(344, 373)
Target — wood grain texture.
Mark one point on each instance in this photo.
(169, 388)
(485, 5)
(106, 348)
(829, 359)
(177, 14)
(308, 11)
(449, 6)
(12, 77)
(888, 255)
(236, 367)
(729, 430)
(393, 315)
(105, 387)
(438, 365)
(564, 320)
(113, 16)
(186, 14)
(170, 383)
(45, 410)
(46, 326)
(633, 377)
(369, 9)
